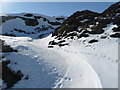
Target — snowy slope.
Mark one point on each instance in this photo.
(45, 70)
(18, 24)
(54, 52)
(72, 66)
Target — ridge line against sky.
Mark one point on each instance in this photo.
(53, 8)
(59, 0)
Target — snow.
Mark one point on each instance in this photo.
(73, 66)
(77, 65)
(3, 14)
(9, 26)
(103, 59)
(117, 14)
(84, 20)
(50, 18)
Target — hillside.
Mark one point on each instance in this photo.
(29, 25)
(80, 51)
(86, 23)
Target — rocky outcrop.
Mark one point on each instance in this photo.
(83, 23)
(5, 48)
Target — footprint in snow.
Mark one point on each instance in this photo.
(68, 79)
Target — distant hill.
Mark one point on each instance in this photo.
(28, 24)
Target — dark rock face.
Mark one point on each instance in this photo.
(116, 29)
(59, 43)
(6, 18)
(50, 46)
(116, 35)
(63, 44)
(6, 34)
(53, 43)
(96, 30)
(8, 76)
(37, 17)
(73, 22)
(54, 23)
(28, 15)
(116, 20)
(5, 48)
(79, 16)
(30, 22)
(78, 23)
(19, 30)
(103, 37)
(112, 10)
(92, 41)
(60, 18)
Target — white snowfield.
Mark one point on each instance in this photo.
(77, 65)
(9, 25)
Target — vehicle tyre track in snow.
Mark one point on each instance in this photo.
(77, 70)
(53, 68)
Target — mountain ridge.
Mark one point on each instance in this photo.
(98, 21)
(43, 54)
(36, 24)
